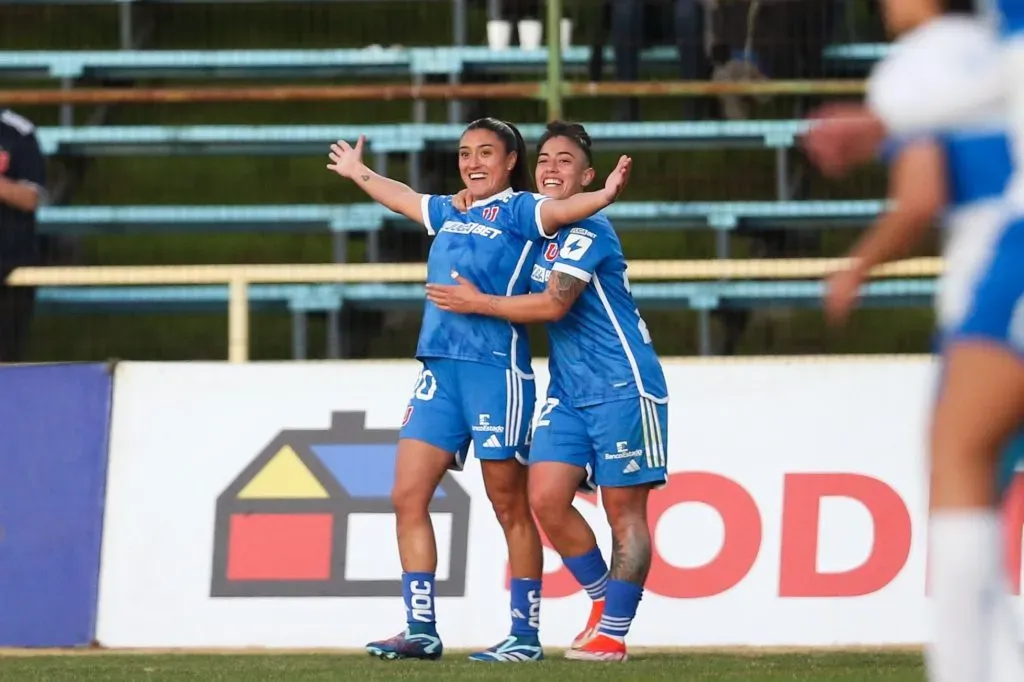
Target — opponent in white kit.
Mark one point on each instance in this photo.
(939, 100)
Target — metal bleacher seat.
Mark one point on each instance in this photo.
(368, 217)
(396, 138)
(452, 60)
(302, 299)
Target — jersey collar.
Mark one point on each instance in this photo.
(500, 196)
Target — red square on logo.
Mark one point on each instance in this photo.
(552, 252)
(280, 547)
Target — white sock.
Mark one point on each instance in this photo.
(1005, 651)
(973, 624)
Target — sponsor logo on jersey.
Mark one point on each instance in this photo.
(455, 227)
(622, 451)
(540, 274)
(582, 231)
(484, 425)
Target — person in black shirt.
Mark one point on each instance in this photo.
(22, 179)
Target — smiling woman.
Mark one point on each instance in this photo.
(476, 384)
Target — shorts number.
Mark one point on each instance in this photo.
(426, 385)
(549, 405)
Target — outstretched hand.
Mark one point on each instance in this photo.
(463, 297)
(618, 179)
(346, 160)
(843, 136)
(842, 293)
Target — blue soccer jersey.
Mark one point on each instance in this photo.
(600, 350)
(492, 246)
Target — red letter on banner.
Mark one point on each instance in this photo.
(1013, 524)
(739, 548)
(799, 575)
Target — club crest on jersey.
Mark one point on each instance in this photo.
(551, 253)
(490, 213)
(408, 415)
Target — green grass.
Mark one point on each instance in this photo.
(819, 667)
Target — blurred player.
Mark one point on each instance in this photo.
(605, 421)
(476, 385)
(951, 64)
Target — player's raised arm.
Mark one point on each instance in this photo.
(557, 213)
(917, 186)
(347, 161)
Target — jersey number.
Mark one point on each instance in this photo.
(549, 406)
(645, 334)
(426, 385)
(575, 246)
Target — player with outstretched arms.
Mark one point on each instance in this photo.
(476, 384)
(605, 421)
(951, 159)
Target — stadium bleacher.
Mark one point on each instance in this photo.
(454, 62)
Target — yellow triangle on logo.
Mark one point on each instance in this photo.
(284, 477)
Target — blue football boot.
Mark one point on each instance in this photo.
(513, 649)
(421, 646)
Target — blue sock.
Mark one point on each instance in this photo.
(590, 571)
(525, 606)
(620, 602)
(418, 593)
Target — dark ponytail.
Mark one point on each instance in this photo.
(519, 177)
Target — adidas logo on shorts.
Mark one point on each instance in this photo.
(632, 467)
(492, 442)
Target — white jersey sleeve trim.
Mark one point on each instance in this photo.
(572, 270)
(425, 211)
(540, 222)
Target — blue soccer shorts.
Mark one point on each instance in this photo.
(620, 443)
(457, 402)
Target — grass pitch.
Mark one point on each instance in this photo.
(290, 667)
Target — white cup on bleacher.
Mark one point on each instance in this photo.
(566, 29)
(530, 33)
(499, 34)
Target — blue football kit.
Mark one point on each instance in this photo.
(476, 384)
(607, 404)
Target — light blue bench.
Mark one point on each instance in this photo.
(384, 61)
(301, 300)
(368, 218)
(396, 138)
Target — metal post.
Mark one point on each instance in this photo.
(238, 321)
(300, 331)
(333, 335)
(782, 190)
(459, 38)
(125, 26)
(704, 331)
(554, 84)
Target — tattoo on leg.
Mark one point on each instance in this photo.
(631, 553)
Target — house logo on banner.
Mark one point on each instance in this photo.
(282, 525)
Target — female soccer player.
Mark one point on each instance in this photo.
(605, 421)
(476, 385)
(962, 171)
